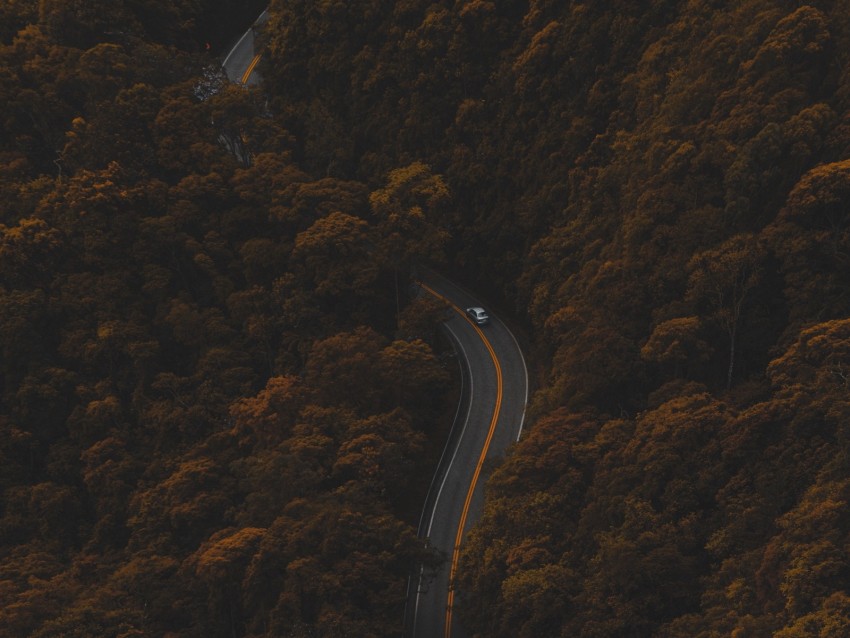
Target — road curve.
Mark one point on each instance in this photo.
(240, 62)
(488, 421)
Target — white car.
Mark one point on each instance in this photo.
(478, 315)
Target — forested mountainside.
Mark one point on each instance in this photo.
(660, 190)
(218, 402)
(217, 398)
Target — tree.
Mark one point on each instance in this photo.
(28, 252)
(81, 25)
(233, 110)
(379, 453)
(43, 400)
(182, 509)
(676, 343)
(119, 128)
(312, 200)
(412, 210)
(110, 474)
(411, 373)
(268, 417)
(536, 600)
(340, 369)
(220, 564)
(722, 278)
(811, 236)
(820, 357)
(333, 568)
(56, 511)
(150, 584)
(830, 620)
(14, 15)
(185, 139)
(335, 259)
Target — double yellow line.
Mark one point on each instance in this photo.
(478, 467)
(250, 68)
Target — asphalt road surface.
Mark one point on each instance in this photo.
(240, 62)
(489, 419)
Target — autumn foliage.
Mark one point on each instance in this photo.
(213, 421)
(220, 404)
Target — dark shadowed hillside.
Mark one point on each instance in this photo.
(215, 407)
(215, 413)
(659, 190)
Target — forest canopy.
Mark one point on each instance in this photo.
(201, 346)
(203, 428)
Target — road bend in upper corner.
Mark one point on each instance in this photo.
(240, 62)
(496, 392)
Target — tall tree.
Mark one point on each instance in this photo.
(724, 277)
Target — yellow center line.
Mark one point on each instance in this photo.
(478, 467)
(250, 68)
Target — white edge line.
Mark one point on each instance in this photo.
(525, 371)
(445, 476)
(445, 449)
(235, 46)
(244, 35)
(516, 343)
(459, 439)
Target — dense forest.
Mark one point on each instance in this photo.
(218, 398)
(214, 412)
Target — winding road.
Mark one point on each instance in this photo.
(489, 418)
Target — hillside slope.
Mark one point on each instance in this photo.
(216, 396)
(660, 192)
